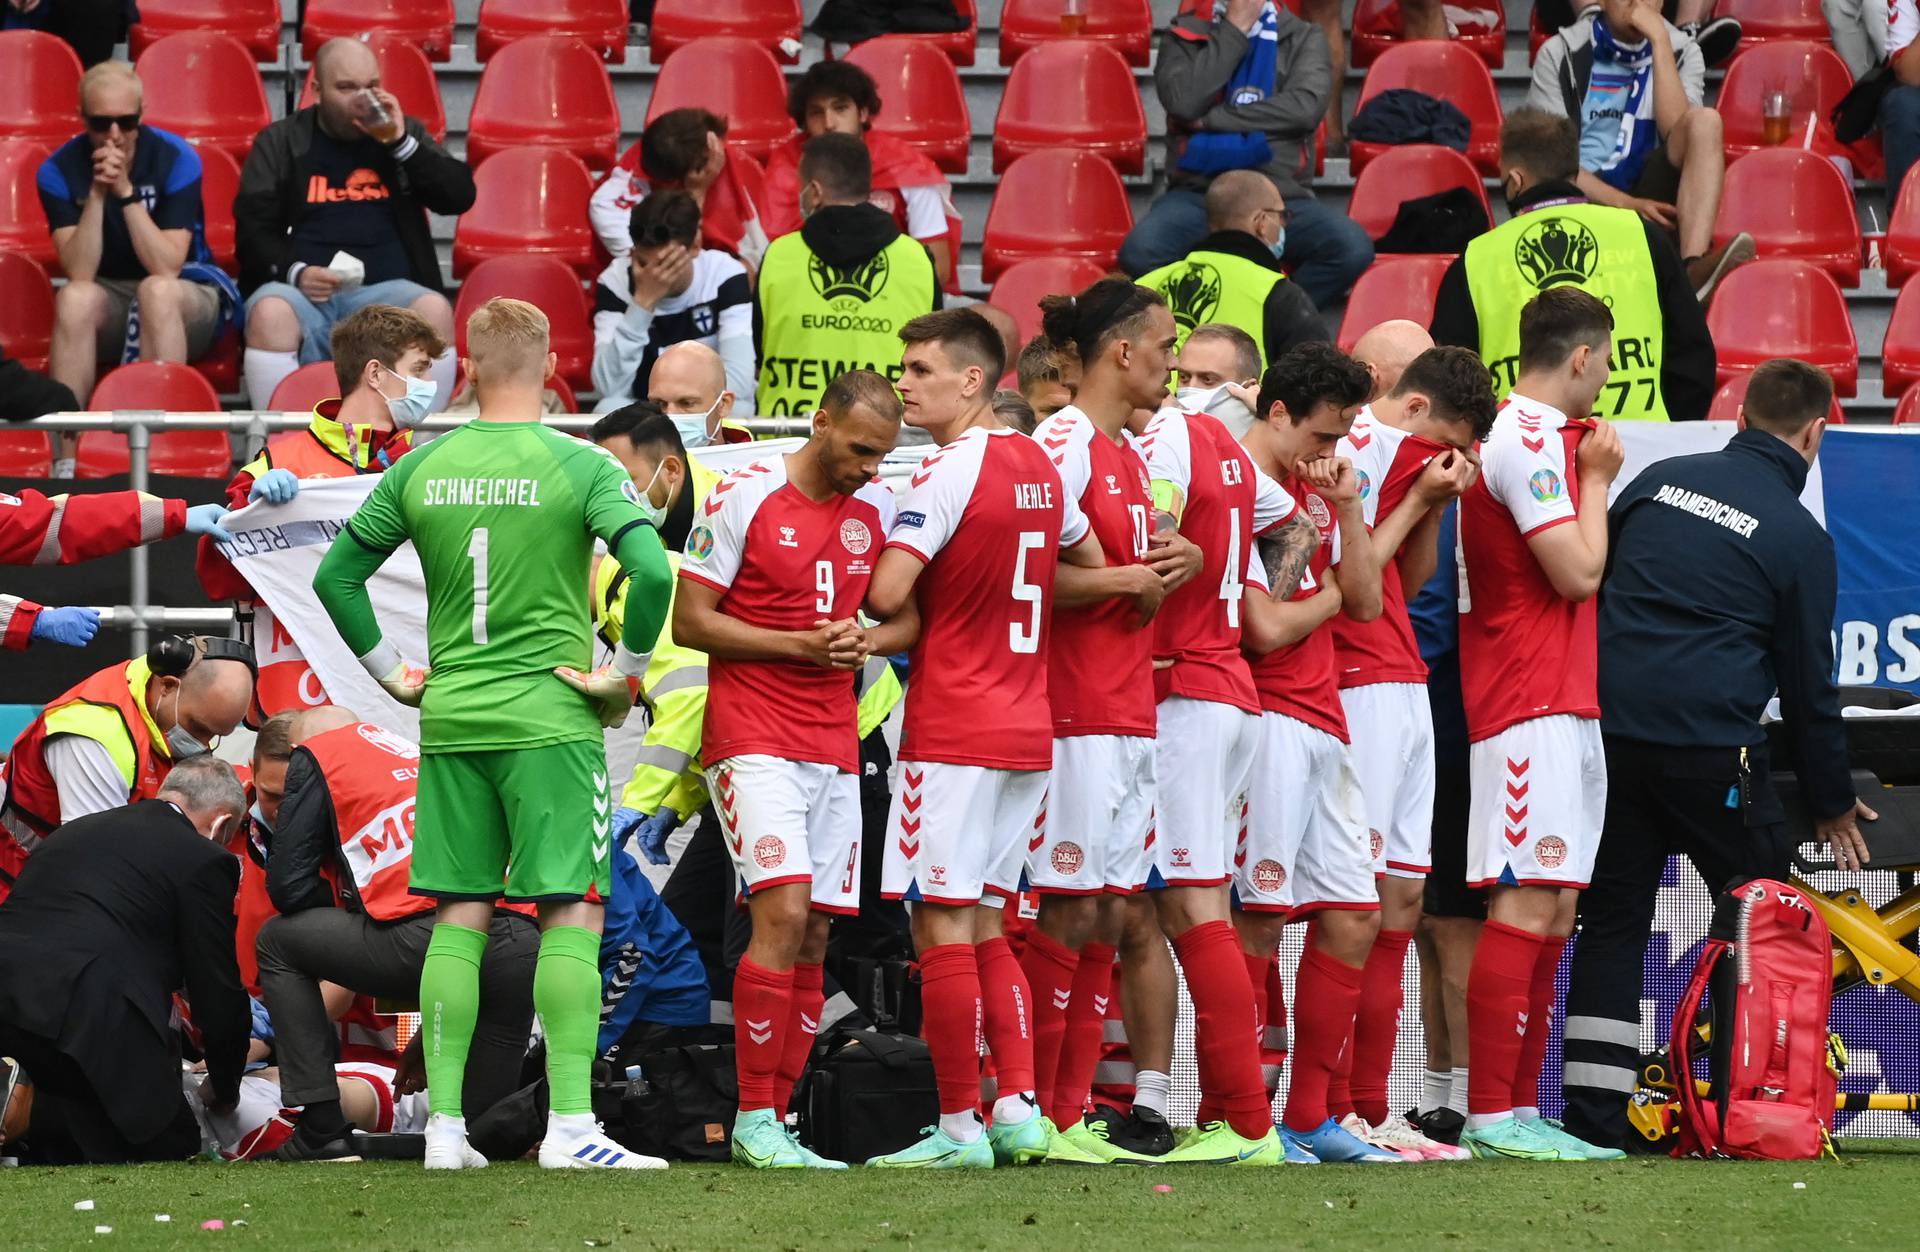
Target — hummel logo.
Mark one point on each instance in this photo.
(786, 537)
(1521, 1029)
(1060, 997)
(809, 1025)
(760, 1031)
(1100, 1005)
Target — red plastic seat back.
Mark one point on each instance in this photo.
(542, 281)
(205, 87)
(1393, 287)
(219, 183)
(1072, 93)
(1376, 26)
(921, 99)
(958, 45)
(677, 23)
(26, 311)
(307, 386)
(1907, 412)
(1762, 21)
(1782, 307)
(532, 202)
(23, 223)
(1795, 204)
(600, 24)
(735, 78)
(408, 74)
(1900, 354)
(548, 92)
(1812, 74)
(255, 23)
(24, 453)
(1020, 288)
(1450, 72)
(1901, 253)
(427, 24)
(170, 388)
(1126, 24)
(162, 385)
(1407, 173)
(39, 87)
(1056, 203)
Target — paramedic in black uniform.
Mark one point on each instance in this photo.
(1719, 591)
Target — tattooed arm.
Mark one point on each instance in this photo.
(1284, 553)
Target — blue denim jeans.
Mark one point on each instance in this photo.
(1326, 251)
(1900, 134)
(316, 320)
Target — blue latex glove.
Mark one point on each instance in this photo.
(653, 833)
(73, 627)
(205, 519)
(276, 486)
(624, 820)
(262, 1020)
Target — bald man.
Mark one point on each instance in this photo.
(689, 383)
(1234, 276)
(1003, 322)
(332, 216)
(1388, 349)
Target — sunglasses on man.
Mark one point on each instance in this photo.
(103, 123)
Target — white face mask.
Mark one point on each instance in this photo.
(656, 513)
(693, 426)
(410, 409)
(180, 744)
(1217, 402)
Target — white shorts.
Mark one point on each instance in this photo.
(1539, 801)
(1304, 846)
(1203, 756)
(791, 821)
(1098, 818)
(1391, 725)
(959, 832)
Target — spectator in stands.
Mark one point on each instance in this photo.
(1219, 372)
(669, 290)
(383, 361)
(123, 908)
(369, 935)
(90, 27)
(1636, 88)
(833, 293)
(689, 383)
(1900, 107)
(1861, 29)
(1246, 90)
(1388, 349)
(686, 148)
(1048, 377)
(1234, 274)
(332, 217)
(839, 98)
(1716, 37)
(1418, 19)
(123, 201)
(1663, 358)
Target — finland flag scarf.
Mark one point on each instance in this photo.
(1214, 152)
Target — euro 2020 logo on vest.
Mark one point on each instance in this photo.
(860, 282)
(1193, 293)
(1556, 250)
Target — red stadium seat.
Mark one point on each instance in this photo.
(921, 100)
(1795, 204)
(1450, 72)
(204, 87)
(408, 74)
(23, 223)
(1056, 203)
(559, 387)
(219, 183)
(255, 23)
(1784, 307)
(600, 24)
(307, 386)
(1900, 355)
(1763, 21)
(546, 92)
(1812, 74)
(24, 453)
(26, 311)
(1907, 412)
(543, 281)
(1537, 34)
(1126, 24)
(172, 389)
(39, 87)
(1072, 93)
(1019, 289)
(531, 202)
(221, 366)
(1733, 393)
(1901, 252)
(1403, 286)
(1376, 27)
(957, 45)
(427, 24)
(677, 23)
(1406, 173)
(735, 78)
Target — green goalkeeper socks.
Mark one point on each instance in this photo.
(566, 994)
(449, 1007)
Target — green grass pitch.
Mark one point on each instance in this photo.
(1641, 1203)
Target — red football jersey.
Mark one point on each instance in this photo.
(1100, 660)
(1525, 651)
(1228, 502)
(1386, 461)
(988, 515)
(1301, 679)
(783, 562)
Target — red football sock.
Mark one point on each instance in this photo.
(1216, 972)
(1006, 1007)
(1340, 1082)
(1376, 1027)
(803, 1025)
(1270, 1020)
(1333, 990)
(950, 1023)
(1050, 968)
(1080, 1042)
(761, 1003)
(1499, 993)
(1526, 1080)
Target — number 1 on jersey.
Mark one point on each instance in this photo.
(1026, 639)
(477, 549)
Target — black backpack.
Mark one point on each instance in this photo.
(867, 1094)
(682, 1104)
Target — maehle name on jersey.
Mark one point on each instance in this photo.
(1033, 495)
(483, 492)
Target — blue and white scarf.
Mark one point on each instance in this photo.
(1616, 118)
(1215, 152)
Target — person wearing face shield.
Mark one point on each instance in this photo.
(111, 740)
(383, 362)
(667, 291)
(1234, 276)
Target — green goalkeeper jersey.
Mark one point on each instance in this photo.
(503, 516)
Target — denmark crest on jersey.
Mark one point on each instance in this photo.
(854, 536)
(1317, 510)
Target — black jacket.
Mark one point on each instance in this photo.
(1687, 360)
(271, 199)
(110, 916)
(1720, 588)
(1289, 318)
(306, 840)
(843, 235)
